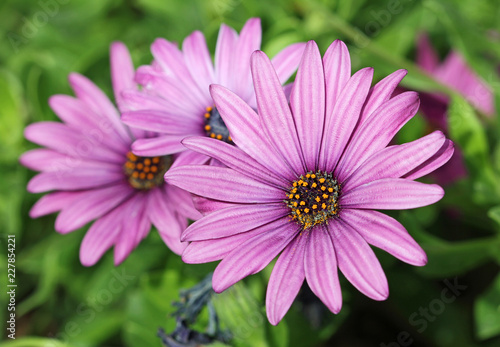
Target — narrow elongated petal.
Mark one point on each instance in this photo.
(385, 233)
(396, 161)
(206, 206)
(52, 202)
(392, 194)
(274, 112)
(182, 201)
(158, 146)
(222, 184)
(427, 57)
(357, 261)
(122, 73)
(224, 50)
(320, 263)
(91, 204)
(286, 61)
(246, 131)
(234, 158)
(307, 101)
(286, 279)
(253, 255)
(100, 237)
(189, 158)
(42, 159)
(340, 124)
(380, 93)
(337, 66)
(198, 59)
(378, 131)
(163, 122)
(436, 161)
(234, 220)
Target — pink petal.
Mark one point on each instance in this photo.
(427, 58)
(88, 92)
(198, 60)
(436, 161)
(90, 205)
(100, 237)
(392, 194)
(380, 93)
(307, 102)
(234, 220)
(224, 56)
(253, 255)
(286, 279)
(395, 161)
(385, 233)
(122, 72)
(320, 263)
(234, 158)
(158, 146)
(357, 261)
(222, 184)
(206, 206)
(287, 60)
(136, 226)
(140, 100)
(52, 202)
(42, 159)
(274, 112)
(189, 158)
(182, 201)
(377, 131)
(246, 131)
(340, 124)
(163, 122)
(337, 66)
(162, 214)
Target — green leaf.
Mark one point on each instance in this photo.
(487, 312)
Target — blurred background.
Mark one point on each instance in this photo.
(453, 301)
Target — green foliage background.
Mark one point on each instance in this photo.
(62, 303)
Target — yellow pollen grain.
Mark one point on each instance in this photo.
(142, 175)
(140, 166)
(294, 190)
(323, 206)
(330, 190)
(305, 184)
(290, 196)
(315, 207)
(150, 176)
(313, 176)
(130, 165)
(302, 203)
(300, 182)
(308, 175)
(229, 138)
(323, 187)
(298, 212)
(294, 184)
(318, 199)
(212, 135)
(147, 169)
(207, 115)
(147, 161)
(297, 196)
(325, 196)
(219, 137)
(314, 185)
(207, 127)
(154, 168)
(156, 160)
(135, 174)
(131, 156)
(295, 204)
(321, 180)
(208, 108)
(306, 210)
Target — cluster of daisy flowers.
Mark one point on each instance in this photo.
(265, 169)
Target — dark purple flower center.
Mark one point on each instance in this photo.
(146, 172)
(313, 199)
(215, 127)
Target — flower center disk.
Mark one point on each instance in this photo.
(313, 199)
(146, 172)
(215, 127)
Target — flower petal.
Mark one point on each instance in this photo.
(274, 112)
(392, 194)
(89, 205)
(385, 233)
(320, 263)
(337, 66)
(158, 146)
(246, 132)
(206, 206)
(340, 124)
(436, 161)
(357, 261)
(286, 61)
(307, 101)
(222, 184)
(286, 279)
(234, 158)
(163, 122)
(253, 255)
(182, 202)
(224, 56)
(427, 57)
(234, 220)
(53, 202)
(122, 72)
(377, 131)
(198, 59)
(395, 161)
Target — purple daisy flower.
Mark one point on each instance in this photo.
(305, 178)
(176, 101)
(454, 73)
(88, 165)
